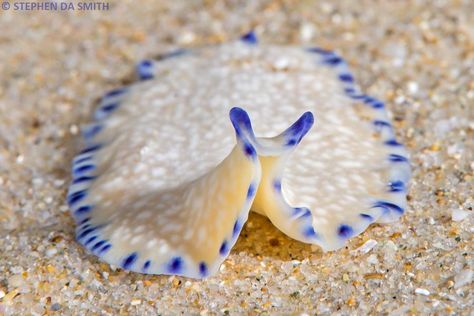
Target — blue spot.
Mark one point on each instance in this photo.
(366, 216)
(397, 158)
(333, 61)
(105, 249)
(355, 96)
(368, 99)
(374, 103)
(318, 50)
(251, 191)
(378, 105)
(249, 150)
(91, 149)
(130, 260)
(83, 209)
(237, 228)
(346, 77)
(114, 93)
(380, 124)
(175, 265)
(249, 38)
(172, 54)
(82, 179)
(92, 131)
(396, 186)
(146, 63)
(82, 169)
(345, 231)
(350, 91)
(86, 232)
(91, 239)
(82, 160)
(85, 220)
(392, 142)
(301, 212)
(146, 265)
(85, 227)
(387, 206)
(309, 232)
(109, 107)
(224, 249)
(98, 245)
(277, 185)
(291, 142)
(76, 197)
(203, 269)
(145, 70)
(145, 76)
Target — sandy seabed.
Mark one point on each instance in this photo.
(416, 55)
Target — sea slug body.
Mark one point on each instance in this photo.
(174, 162)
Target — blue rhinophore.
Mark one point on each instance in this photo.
(295, 133)
(239, 119)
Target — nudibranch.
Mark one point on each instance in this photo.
(174, 162)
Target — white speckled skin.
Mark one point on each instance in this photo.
(171, 179)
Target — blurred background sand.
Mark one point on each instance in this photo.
(416, 55)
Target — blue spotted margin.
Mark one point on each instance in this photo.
(84, 172)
